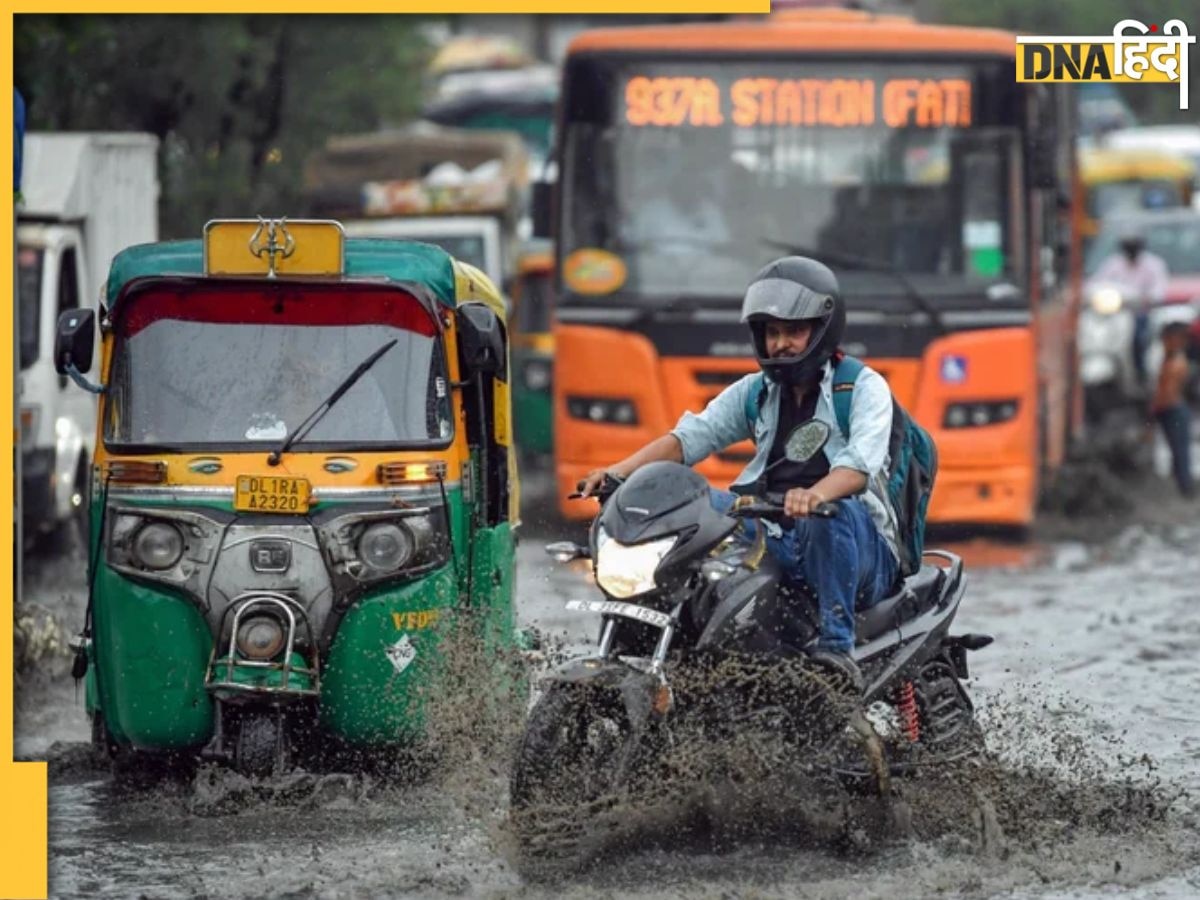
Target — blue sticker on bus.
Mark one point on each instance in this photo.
(954, 369)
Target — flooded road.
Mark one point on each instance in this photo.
(1087, 695)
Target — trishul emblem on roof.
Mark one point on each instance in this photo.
(273, 240)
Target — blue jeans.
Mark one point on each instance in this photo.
(1141, 343)
(1176, 423)
(844, 561)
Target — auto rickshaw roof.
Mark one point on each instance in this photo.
(399, 261)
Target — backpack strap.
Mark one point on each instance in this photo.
(845, 373)
(755, 397)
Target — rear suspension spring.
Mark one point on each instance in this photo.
(910, 716)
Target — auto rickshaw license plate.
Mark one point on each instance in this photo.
(271, 494)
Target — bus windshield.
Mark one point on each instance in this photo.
(697, 173)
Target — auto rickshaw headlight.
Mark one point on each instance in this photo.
(385, 547)
(158, 545)
(260, 637)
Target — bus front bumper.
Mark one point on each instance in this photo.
(984, 496)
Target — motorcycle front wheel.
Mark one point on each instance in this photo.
(571, 767)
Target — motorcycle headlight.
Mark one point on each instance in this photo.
(626, 570)
(1106, 301)
(385, 547)
(158, 546)
(260, 637)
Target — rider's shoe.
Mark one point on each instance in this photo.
(841, 665)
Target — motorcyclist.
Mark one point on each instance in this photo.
(1141, 276)
(797, 316)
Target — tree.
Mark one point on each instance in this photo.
(238, 102)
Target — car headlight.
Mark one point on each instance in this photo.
(537, 375)
(1106, 301)
(260, 637)
(626, 570)
(158, 546)
(385, 547)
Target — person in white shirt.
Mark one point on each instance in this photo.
(1141, 276)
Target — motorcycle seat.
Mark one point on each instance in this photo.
(918, 593)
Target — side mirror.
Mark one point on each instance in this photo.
(480, 340)
(541, 208)
(565, 551)
(74, 340)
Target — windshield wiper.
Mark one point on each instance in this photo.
(865, 264)
(307, 425)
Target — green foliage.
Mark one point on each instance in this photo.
(1156, 104)
(237, 101)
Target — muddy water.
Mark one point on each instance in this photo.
(1086, 695)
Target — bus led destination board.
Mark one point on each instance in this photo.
(678, 101)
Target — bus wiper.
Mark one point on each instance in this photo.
(307, 425)
(865, 264)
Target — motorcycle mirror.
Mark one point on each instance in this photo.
(565, 551)
(805, 440)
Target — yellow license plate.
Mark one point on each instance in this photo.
(271, 494)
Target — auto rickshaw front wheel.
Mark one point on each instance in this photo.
(262, 744)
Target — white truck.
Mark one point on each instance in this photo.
(461, 189)
(85, 196)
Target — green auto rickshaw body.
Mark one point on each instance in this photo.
(357, 647)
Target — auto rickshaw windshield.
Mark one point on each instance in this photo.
(221, 368)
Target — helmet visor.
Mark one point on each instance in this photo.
(778, 298)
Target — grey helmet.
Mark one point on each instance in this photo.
(793, 289)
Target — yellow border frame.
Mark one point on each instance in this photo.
(23, 786)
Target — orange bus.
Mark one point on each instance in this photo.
(903, 155)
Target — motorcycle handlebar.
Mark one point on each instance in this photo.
(606, 489)
(772, 508)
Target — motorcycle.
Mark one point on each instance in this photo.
(702, 639)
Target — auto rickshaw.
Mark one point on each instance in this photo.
(532, 294)
(303, 470)
(1130, 180)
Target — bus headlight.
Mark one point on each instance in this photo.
(606, 410)
(977, 415)
(537, 375)
(158, 546)
(1106, 301)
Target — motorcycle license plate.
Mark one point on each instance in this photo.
(271, 494)
(616, 608)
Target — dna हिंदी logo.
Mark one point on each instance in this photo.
(1134, 53)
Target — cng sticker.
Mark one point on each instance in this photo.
(401, 654)
(594, 271)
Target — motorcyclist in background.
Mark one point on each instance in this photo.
(797, 316)
(1141, 276)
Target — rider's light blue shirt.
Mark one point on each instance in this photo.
(723, 422)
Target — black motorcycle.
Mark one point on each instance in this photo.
(700, 636)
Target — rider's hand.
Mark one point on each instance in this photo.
(591, 482)
(800, 502)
